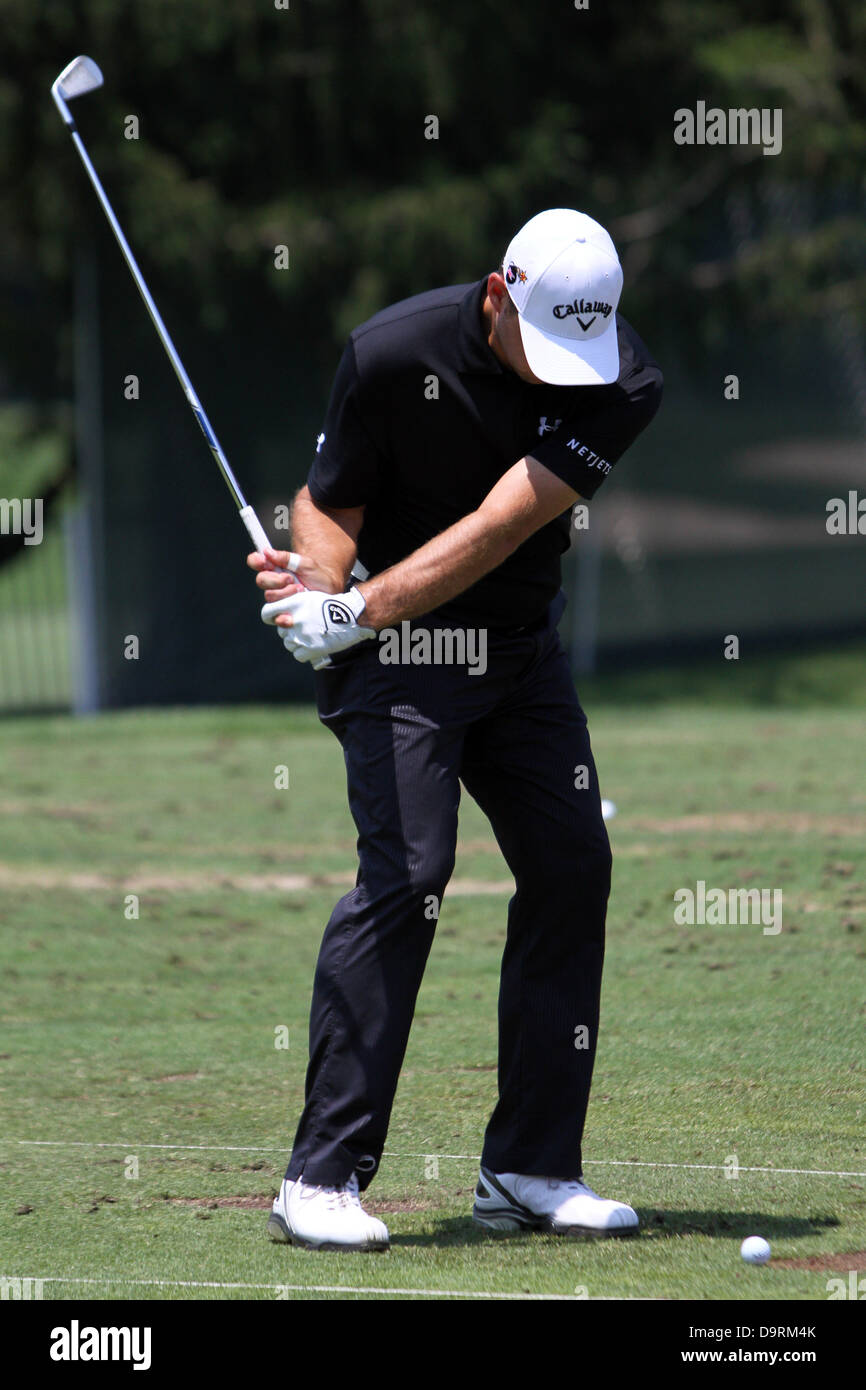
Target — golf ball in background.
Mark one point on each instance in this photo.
(755, 1250)
(608, 810)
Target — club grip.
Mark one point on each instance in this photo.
(255, 530)
(258, 536)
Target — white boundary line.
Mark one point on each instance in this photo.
(721, 1167)
(469, 1158)
(325, 1288)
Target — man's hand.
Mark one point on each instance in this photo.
(314, 624)
(276, 585)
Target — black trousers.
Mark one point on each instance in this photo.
(517, 739)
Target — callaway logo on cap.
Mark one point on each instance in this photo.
(565, 279)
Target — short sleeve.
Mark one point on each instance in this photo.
(591, 440)
(347, 469)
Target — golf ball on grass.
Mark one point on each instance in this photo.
(755, 1250)
(608, 810)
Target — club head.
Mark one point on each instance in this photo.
(78, 78)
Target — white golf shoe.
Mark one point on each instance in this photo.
(325, 1218)
(511, 1202)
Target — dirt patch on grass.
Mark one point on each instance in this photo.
(262, 1202)
(181, 1076)
(147, 882)
(832, 1264)
(88, 813)
(748, 822)
(409, 1204)
(256, 1202)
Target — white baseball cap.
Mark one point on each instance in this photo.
(565, 280)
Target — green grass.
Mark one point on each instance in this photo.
(120, 1035)
(811, 678)
(35, 656)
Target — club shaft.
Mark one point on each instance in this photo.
(187, 386)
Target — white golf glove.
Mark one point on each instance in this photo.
(322, 624)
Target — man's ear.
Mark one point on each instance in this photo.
(497, 291)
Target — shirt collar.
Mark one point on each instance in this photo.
(474, 351)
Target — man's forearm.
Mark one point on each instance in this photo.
(332, 541)
(436, 572)
(524, 499)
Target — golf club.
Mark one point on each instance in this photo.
(78, 78)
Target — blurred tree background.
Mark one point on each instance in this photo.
(305, 126)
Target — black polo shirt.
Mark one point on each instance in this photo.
(423, 420)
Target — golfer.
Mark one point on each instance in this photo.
(463, 426)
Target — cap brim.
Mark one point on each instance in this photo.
(563, 362)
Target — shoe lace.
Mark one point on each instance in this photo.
(574, 1185)
(347, 1195)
